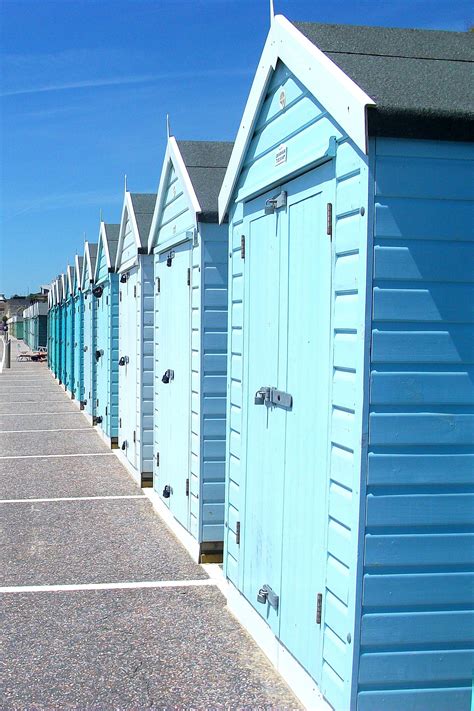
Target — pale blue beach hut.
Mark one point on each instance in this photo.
(106, 295)
(89, 330)
(78, 305)
(350, 427)
(135, 268)
(190, 349)
(69, 330)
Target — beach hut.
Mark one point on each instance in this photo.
(28, 326)
(106, 295)
(59, 329)
(350, 428)
(78, 306)
(190, 350)
(50, 327)
(39, 325)
(15, 326)
(135, 268)
(89, 333)
(69, 330)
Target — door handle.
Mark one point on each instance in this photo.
(124, 360)
(98, 354)
(168, 376)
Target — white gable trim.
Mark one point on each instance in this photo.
(127, 212)
(63, 286)
(105, 246)
(87, 261)
(79, 272)
(70, 278)
(173, 158)
(338, 93)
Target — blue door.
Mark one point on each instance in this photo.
(288, 305)
(78, 347)
(89, 352)
(174, 329)
(103, 362)
(128, 372)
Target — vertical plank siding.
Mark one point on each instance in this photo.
(145, 385)
(417, 621)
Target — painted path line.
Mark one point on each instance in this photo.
(73, 498)
(58, 456)
(35, 414)
(64, 429)
(110, 586)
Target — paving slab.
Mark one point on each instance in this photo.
(99, 541)
(32, 396)
(43, 477)
(40, 443)
(60, 404)
(66, 420)
(134, 649)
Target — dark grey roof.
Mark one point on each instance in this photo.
(112, 233)
(421, 80)
(143, 207)
(206, 163)
(93, 252)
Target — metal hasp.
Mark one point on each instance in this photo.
(266, 594)
(167, 491)
(98, 354)
(272, 396)
(276, 202)
(124, 445)
(168, 376)
(124, 360)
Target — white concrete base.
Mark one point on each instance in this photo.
(88, 417)
(77, 403)
(299, 681)
(104, 437)
(134, 473)
(183, 536)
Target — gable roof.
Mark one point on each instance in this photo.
(419, 79)
(70, 273)
(109, 237)
(386, 81)
(79, 261)
(206, 163)
(200, 167)
(139, 209)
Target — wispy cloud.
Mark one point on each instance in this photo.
(60, 200)
(84, 84)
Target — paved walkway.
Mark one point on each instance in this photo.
(79, 541)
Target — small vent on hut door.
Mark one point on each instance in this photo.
(319, 608)
(120, 422)
(158, 285)
(242, 247)
(134, 436)
(187, 487)
(329, 220)
(120, 296)
(157, 459)
(135, 291)
(106, 411)
(188, 279)
(237, 533)
(106, 299)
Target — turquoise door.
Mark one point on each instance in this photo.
(288, 280)
(128, 372)
(103, 363)
(78, 347)
(89, 353)
(174, 327)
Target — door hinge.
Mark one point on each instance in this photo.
(329, 220)
(106, 299)
(187, 487)
(157, 459)
(242, 247)
(237, 533)
(319, 608)
(106, 411)
(134, 436)
(120, 422)
(158, 285)
(135, 291)
(97, 402)
(188, 280)
(120, 296)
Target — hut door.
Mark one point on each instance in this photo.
(173, 380)
(128, 372)
(103, 363)
(288, 278)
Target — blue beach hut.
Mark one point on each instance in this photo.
(135, 268)
(78, 306)
(60, 329)
(190, 349)
(51, 327)
(89, 330)
(106, 296)
(28, 326)
(69, 330)
(349, 507)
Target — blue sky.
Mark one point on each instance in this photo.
(85, 86)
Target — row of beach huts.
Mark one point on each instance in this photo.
(281, 343)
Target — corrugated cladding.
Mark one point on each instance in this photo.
(417, 621)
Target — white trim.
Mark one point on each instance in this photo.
(105, 246)
(72, 498)
(338, 93)
(110, 586)
(183, 536)
(90, 267)
(173, 157)
(71, 272)
(127, 212)
(297, 678)
(56, 456)
(79, 265)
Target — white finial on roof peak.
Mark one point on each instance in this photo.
(272, 11)
(100, 215)
(125, 182)
(168, 129)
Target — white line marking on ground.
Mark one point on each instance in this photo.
(55, 456)
(34, 414)
(110, 586)
(72, 498)
(63, 429)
